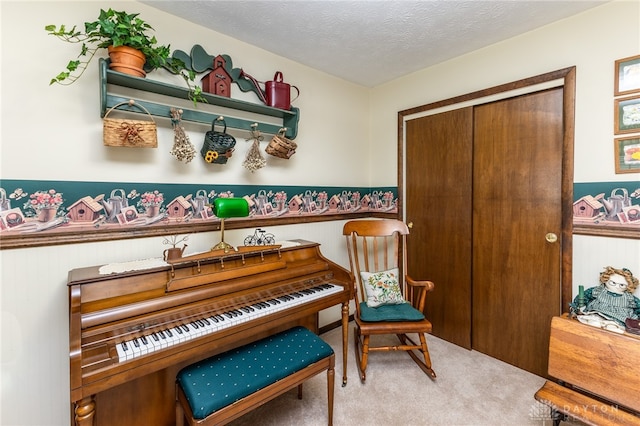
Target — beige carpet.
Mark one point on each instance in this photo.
(471, 389)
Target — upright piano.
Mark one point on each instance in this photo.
(130, 332)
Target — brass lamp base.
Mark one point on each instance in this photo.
(223, 246)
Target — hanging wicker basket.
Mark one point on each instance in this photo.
(127, 132)
(280, 146)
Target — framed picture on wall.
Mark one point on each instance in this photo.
(627, 75)
(627, 115)
(627, 154)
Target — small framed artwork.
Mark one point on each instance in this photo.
(627, 75)
(629, 214)
(207, 213)
(127, 215)
(11, 218)
(627, 154)
(626, 112)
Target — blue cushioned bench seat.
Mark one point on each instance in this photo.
(224, 387)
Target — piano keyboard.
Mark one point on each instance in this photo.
(183, 332)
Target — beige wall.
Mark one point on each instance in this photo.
(336, 117)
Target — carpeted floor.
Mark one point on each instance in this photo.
(471, 389)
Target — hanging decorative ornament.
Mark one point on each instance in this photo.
(182, 149)
(254, 160)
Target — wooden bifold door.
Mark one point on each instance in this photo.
(485, 189)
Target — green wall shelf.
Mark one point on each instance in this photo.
(109, 99)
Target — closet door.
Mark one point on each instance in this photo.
(438, 202)
(517, 226)
(483, 192)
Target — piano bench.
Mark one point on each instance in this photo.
(222, 388)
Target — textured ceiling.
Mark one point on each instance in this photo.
(372, 42)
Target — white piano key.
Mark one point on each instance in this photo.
(135, 347)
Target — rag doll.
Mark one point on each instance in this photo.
(611, 303)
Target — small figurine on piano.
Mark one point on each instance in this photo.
(610, 304)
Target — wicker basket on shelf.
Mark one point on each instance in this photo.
(127, 132)
(280, 146)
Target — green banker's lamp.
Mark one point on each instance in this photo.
(225, 208)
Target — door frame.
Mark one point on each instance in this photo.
(565, 78)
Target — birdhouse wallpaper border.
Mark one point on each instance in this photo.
(607, 209)
(82, 211)
(58, 212)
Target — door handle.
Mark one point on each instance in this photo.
(410, 225)
(551, 237)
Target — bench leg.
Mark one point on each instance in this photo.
(557, 417)
(300, 391)
(179, 409)
(179, 414)
(330, 380)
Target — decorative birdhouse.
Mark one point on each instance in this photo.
(85, 209)
(364, 201)
(295, 204)
(334, 202)
(217, 81)
(178, 207)
(587, 207)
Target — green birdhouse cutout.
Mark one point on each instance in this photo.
(217, 81)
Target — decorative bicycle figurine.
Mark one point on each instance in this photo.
(260, 238)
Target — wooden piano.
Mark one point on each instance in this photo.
(131, 332)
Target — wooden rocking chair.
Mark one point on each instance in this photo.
(377, 255)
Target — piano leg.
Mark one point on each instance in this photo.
(345, 340)
(84, 411)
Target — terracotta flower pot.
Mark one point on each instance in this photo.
(153, 211)
(127, 60)
(46, 214)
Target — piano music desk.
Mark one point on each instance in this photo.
(131, 333)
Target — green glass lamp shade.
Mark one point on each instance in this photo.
(225, 208)
(230, 207)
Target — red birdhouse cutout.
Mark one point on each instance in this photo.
(217, 81)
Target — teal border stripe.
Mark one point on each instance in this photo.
(594, 188)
